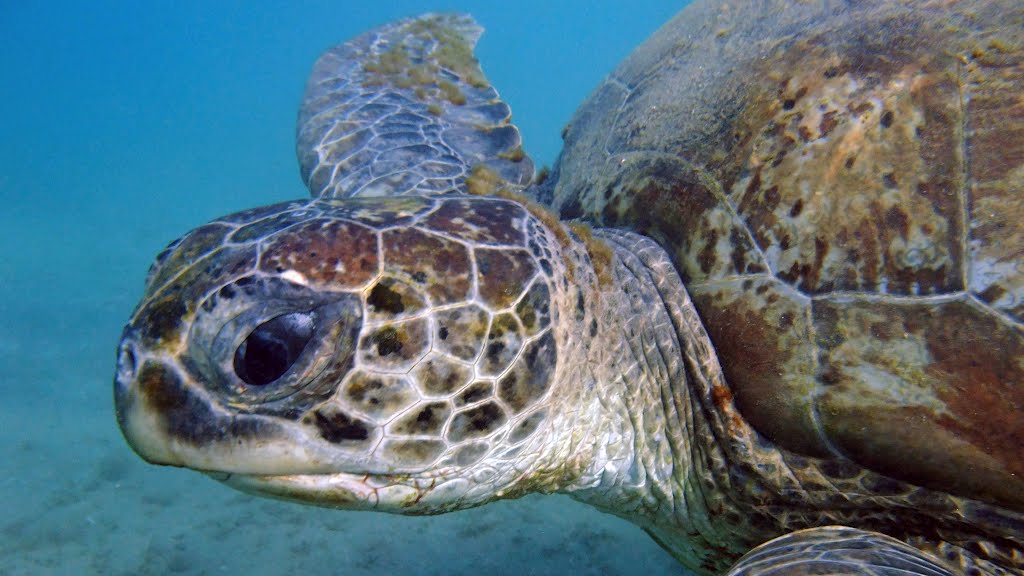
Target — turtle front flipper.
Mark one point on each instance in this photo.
(405, 109)
(837, 550)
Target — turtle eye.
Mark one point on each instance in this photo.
(273, 347)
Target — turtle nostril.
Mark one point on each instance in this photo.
(271, 349)
(126, 363)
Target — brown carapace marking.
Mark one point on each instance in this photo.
(995, 122)
(760, 326)
(328, 253)
(926, 391)
(845, 193)
(669, 201)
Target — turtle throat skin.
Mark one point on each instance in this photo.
(658, 423)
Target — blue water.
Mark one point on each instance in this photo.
(126, 124)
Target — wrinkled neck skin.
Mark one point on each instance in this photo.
(641, 423)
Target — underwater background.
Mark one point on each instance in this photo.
(124, 125)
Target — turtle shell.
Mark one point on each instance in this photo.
(841, 187)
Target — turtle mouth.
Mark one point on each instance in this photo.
(331, 490)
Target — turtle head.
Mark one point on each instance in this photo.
(361, 353)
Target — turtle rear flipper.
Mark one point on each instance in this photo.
(405, 109)
(837, 550)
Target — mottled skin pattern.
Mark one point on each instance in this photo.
(802, 316)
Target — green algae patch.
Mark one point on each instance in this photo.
(442, 48)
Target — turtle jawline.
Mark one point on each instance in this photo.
(336, 490)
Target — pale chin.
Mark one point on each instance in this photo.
(339, 490)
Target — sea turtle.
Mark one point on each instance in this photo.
(794, 332)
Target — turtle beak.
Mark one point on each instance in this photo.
(126, 405)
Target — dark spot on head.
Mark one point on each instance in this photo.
(494, 350)
(785, 320)
(889, 180)
(384, 299)
(788, 104)
(336, 426)
(360, 390)
(849, 161)
(476, 392)
(476, 422)
(886, 119)
(428, 419)
(187, 417)
(443, 333)
(419, 276)
(388, 340)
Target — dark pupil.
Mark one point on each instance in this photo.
(272, 348)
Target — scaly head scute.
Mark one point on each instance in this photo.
(348, 339)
